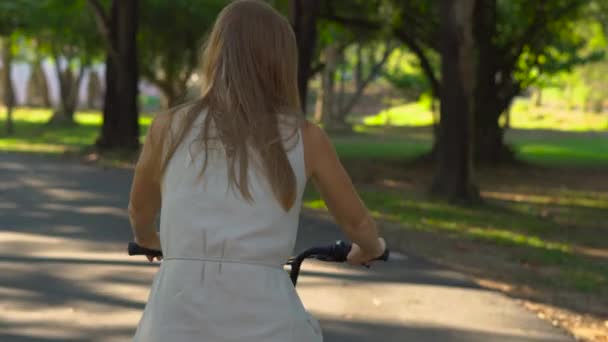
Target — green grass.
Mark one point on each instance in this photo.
(34, 136)
(375, 147)
(573, 149)
(517, 227)
(524, 115)
(411, 114)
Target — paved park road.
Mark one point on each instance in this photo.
(64, 275)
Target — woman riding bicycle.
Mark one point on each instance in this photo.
(228, 172)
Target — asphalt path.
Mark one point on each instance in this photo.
(65, 276)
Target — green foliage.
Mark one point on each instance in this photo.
(171, 34)
(12, 16)
(570, 44)
(403, 71)
(63, 28)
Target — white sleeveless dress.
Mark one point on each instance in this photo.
(222, 278)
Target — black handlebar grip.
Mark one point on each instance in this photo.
(341, 250)
(385, 256)
(135, 249)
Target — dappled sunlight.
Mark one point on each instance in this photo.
(35, 182)
(101, 210)
(70, 195)
(396, 184)
(23, 145)
(526, 224)
(416, 303)
(590, 202)
(12, 166)
(57, 294)
(58, 241)
(5, 205)
(9, 237)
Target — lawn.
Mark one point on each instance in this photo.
(524, 115)
(371, 142)
(32, 135)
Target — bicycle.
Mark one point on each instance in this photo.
(332, 253)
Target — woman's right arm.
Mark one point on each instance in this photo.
(336, 188)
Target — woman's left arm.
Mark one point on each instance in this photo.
(145, 199)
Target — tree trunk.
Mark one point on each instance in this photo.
(174, 91)
(359, 66)
(94, 93)
(37, 86)
(7, 83)
(168, 100)
(69, 87)
(489, 136)
(376, 67)
(120, 128)
(342, 85)
(325, 107)
(507, 115)
(304, 14)
(454, 175)
(538, 102)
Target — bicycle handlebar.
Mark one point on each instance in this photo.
(135, 249)
(337, 252)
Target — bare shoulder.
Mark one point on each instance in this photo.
(163, 122)
(317, 146)
(313, 135)
(160, 122)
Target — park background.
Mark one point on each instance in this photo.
(476, 131)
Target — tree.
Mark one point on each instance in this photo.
(453, 179)
(304, 15)
(325, 106)
(374, 64)
(7, 83)
(37, 93)
(10, 23)
(516, 41)
(94, 90)
(169, 54)
(71, 47)
(118, 29)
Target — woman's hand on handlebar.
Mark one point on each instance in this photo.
(153, 243)
(359, 257)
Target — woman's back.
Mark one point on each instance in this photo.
(222, 277)
(204, 217)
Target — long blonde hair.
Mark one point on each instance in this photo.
(249, 87)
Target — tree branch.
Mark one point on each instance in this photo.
(149, 74)
(60, 78)
(540, 21)
(354, 22)
(74, 91)
(373, 73)
(402, 35)
(422, 57)
(103, 26)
